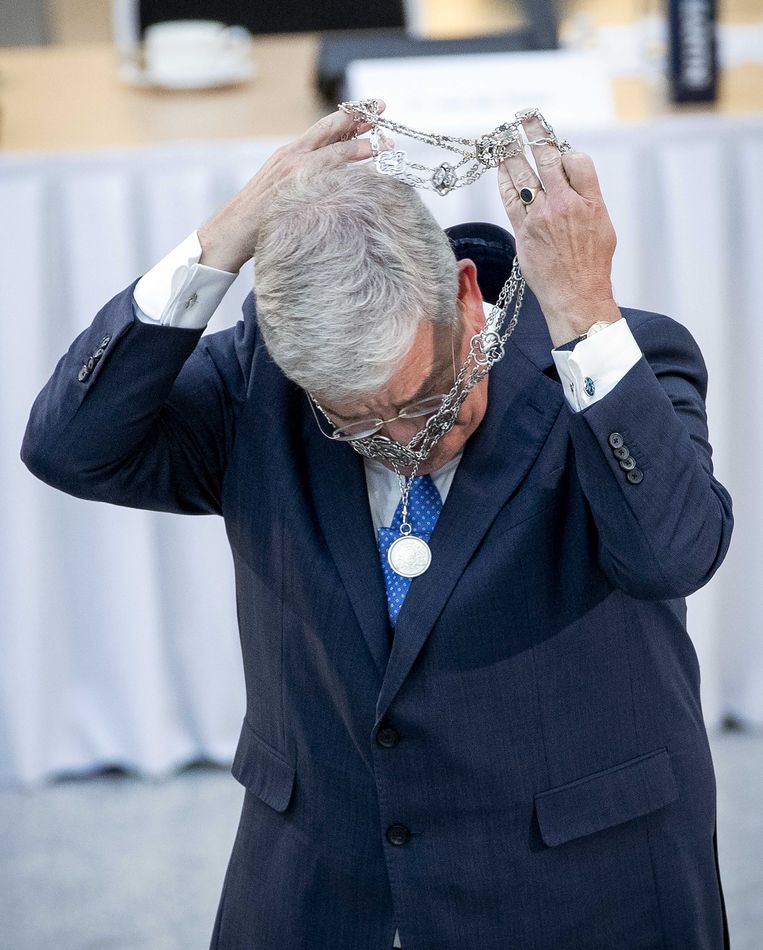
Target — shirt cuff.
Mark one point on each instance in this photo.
(179, 291)
(596, 364)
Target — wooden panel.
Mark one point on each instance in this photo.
(71, 97)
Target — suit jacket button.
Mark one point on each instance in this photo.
(622, 453)
(616, 440)
(90, 363)
(398, 834)
(387, 737)
(106, 340)
(83, 374)
(634, 475)
(628, 464)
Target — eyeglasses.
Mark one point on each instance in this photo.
(364, 428)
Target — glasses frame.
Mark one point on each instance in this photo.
(375, 423)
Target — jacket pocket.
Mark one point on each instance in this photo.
(606, 798)
(262, 770)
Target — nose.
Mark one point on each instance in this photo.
(401, 430)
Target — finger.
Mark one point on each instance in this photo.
(385, 143)
(340, 153)
(331, 128)
(548, 158)
(513, 176)
(515, 210)
(581, 173)
(520, 172)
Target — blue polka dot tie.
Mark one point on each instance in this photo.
(424, 505)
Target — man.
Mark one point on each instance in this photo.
(510, 751)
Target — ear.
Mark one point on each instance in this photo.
(469, 294)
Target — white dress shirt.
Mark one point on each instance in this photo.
(181, 292)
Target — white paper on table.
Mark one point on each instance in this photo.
(474, 93)
(640, 48)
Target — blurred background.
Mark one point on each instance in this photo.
(121, 690)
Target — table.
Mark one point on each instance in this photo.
(70, 97)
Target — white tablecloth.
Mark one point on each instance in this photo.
(118, 632)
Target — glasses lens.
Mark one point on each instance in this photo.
(357, 430)
(424, 407)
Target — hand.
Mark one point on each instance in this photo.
(565, 238)
(229, 237)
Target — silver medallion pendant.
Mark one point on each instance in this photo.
(409, 556)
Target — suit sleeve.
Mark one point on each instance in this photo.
(142, 415)
(645, 465)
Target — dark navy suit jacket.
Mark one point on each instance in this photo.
(529, 769)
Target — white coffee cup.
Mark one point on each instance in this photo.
(194, 52)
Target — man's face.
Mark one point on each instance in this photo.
(427, 370)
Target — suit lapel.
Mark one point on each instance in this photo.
(338, 483)
(523, 403)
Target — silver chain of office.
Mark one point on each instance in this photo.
(478, 155)
(409, 555)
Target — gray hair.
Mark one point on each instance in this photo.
(348, 263)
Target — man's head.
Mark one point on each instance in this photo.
(362, 303)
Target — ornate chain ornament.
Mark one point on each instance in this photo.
(476, 155)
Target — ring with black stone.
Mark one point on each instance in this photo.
(527, 195)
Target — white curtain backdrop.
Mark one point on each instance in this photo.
(118, 632)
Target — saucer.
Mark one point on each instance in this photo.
(229, 74)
